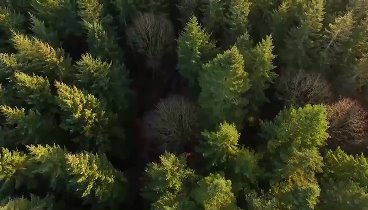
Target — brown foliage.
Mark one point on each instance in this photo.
(348, 126)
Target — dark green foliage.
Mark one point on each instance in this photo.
(34, 202)
(224, 82)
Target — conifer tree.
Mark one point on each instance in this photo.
(60, 14)
(194, 45)
(214, 192)
(33, 202)
(10, 20)
(26, 127)
(223, 83)
(8, 65)
(167, 178)
(344, 182)
(220, 146)
(43, 32)
(238, 17)
(34, 90)
(294, 140)
(83, 113)
(35, 56)
(95, 178)
(259, 63)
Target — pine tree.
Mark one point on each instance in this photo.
(35, 56)
(214, 192)
(194, 45)
(259, 62)
(8, 65)
(83, 113)
(10, 20)
(224, 82)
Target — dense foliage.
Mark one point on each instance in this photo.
(183, 105)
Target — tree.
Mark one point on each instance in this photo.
(83, 113)
(348, 126)
(223, 83)
(98, 179)
(35, 56)
(152, 37)
(194, 45)
(220, 146)
(174, 123)
(214, 192)
(305, 131)
(237, 17)
(168, 181)
(259, 63)
(340, 186)
(43, 32)
(33, 202)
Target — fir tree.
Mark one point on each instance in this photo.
(238, 17)
(224, 82)
(194, 45)
(33, 202)
(43, 32)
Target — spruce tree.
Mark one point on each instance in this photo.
(223, 83)
(33, 202)
(238, 17)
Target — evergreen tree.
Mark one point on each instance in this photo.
(344, 182)
(33, 203)
(8, 65)
(194, 45)
(35, 56)
(83, 113)
(214, 192)
(224, 82)
(238, 17)
(95, 178)
(43, 32)
(259, 62)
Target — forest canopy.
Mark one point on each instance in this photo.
(184, 105)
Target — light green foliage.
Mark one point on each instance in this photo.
(345, 180)
(259, 64)
(83, 113)
(35, 90)
(34, 203)
(224, 82)
(167, 178)
(44, 33)
(294, 139)
(193, 45)
(214, 192)
(60, 14)
(90, 10)
(298, 191)
(220, 146)
(93, 74)
(35, 56)
(8, 64)
(12, 162)
(95, 178)
(238, 17)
